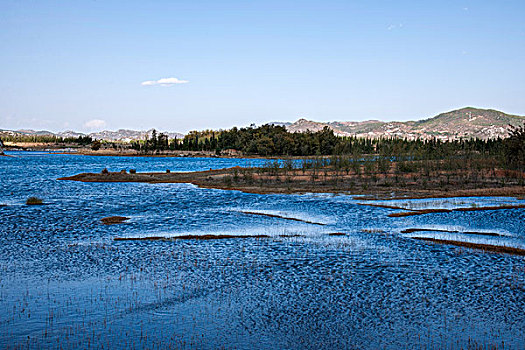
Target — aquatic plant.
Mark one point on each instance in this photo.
(110, 220)
(34, 201)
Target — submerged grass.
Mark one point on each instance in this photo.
(282, 217)
(194, 237)
(34, 201)
(111, 220)
(480, 246)
(428, 211)
(412, 230)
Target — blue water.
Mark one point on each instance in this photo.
(64, 281)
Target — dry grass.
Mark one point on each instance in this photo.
(282, 217)
(484, 247)
(428, 211)
(34, 201)
(194, 237)
(391, 185)
(111, 220)
(412, 230)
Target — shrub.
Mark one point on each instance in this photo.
(95, 145)
(123, 171)
(34, 201)
(105, 171)
(168, 171)
(132, 171)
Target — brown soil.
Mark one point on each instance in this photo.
(184, 237)
(484, 247)
(428, 211)
(111, 220)
(375, 186)
(385, 206)
(412, 230)
(282, 217)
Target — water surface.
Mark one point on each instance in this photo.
(65, 281)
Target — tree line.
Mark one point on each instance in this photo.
(274, 140)
(80, 140)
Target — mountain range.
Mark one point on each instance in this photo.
(467, 122)
(119, 135)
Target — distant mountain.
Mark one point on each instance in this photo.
(70, 133)
(34, 132)
(119, 135)
(285, 124)
(467, 122)
(462, 123)
(128, 135)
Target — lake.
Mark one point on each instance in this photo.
(66, 283)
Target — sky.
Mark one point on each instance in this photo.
(193, 65)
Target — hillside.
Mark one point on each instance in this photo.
(462, 123)
(119, 135)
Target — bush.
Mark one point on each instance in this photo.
(514, 149)
(168, 171)
(105, 171)
(132, 171)
(34, 201)
(123, 171)
(95, 145)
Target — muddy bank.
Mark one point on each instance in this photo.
(255, 180)
(484, 247)
(412, 230)
(187, 237)
(413, 212)
(112, 220)
(282, 217)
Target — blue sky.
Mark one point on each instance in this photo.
(81, 64)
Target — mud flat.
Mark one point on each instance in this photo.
(413, 212)
(112, 220)
(188, 237)
(282, 217)
(255, 180)
(412, 230)
(484, 247)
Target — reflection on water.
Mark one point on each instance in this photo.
(65, 282)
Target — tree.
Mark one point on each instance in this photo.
(514, 148)
(95, 145)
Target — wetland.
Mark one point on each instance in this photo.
(160, 264)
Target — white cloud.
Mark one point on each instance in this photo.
(95, 124)
(395, 26)
(164, 82)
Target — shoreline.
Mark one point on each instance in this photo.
(133, 153)
(248, 181)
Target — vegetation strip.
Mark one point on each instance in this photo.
(428, 211)
(485, 247)
(184, 237)
(327, 179)
(34, 201)
(282, 217)
(385, 206)
(412, 230)
(111, 220)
